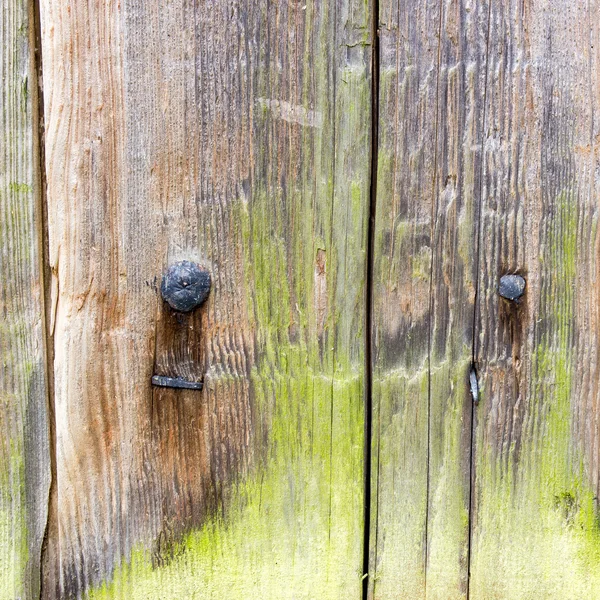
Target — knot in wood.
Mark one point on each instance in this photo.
(511, 287)
(185, 285)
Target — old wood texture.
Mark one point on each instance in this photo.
(24, 435)
(432, 74)
(236, 135)
(488, 164)
(535, 525)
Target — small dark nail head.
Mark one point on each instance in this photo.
(185, 286)
(511, 287)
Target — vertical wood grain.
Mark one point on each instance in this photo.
(235, 134)
(24, 441)
(402, 248)
(433, 57)
(535, 502)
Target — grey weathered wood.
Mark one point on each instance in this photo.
(457, 176)
(402, 246)
(535, 520)
(431, 116)
(234, 134)
(24, 445)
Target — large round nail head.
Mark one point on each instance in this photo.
(185, 286)
(511, 287)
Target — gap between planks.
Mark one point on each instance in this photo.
(368, 436)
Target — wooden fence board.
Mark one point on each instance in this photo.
(24, 433)
(236, 135)
(535, 525)
(402, 248)
(431, 114)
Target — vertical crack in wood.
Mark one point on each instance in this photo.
(369, 298)
(333, 190)
(46, 566)
(477, 254)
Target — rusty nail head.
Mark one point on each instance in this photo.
(185, 286)
(511, 287)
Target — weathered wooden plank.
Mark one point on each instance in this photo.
(24, 439)
(234, 134)
(457, 176)
(401, 278)
(535, 520)
(431, 115)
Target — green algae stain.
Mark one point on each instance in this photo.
(293, 530)
(15, 538)
(20, 188)
(16, 357)
(539, 535)
(14, 553)
(294, 527)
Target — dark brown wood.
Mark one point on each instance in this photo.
(180, 346)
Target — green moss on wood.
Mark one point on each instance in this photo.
(538, 532)
(13, 522)
(294, 527)
(20, 188)
(278, 513)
